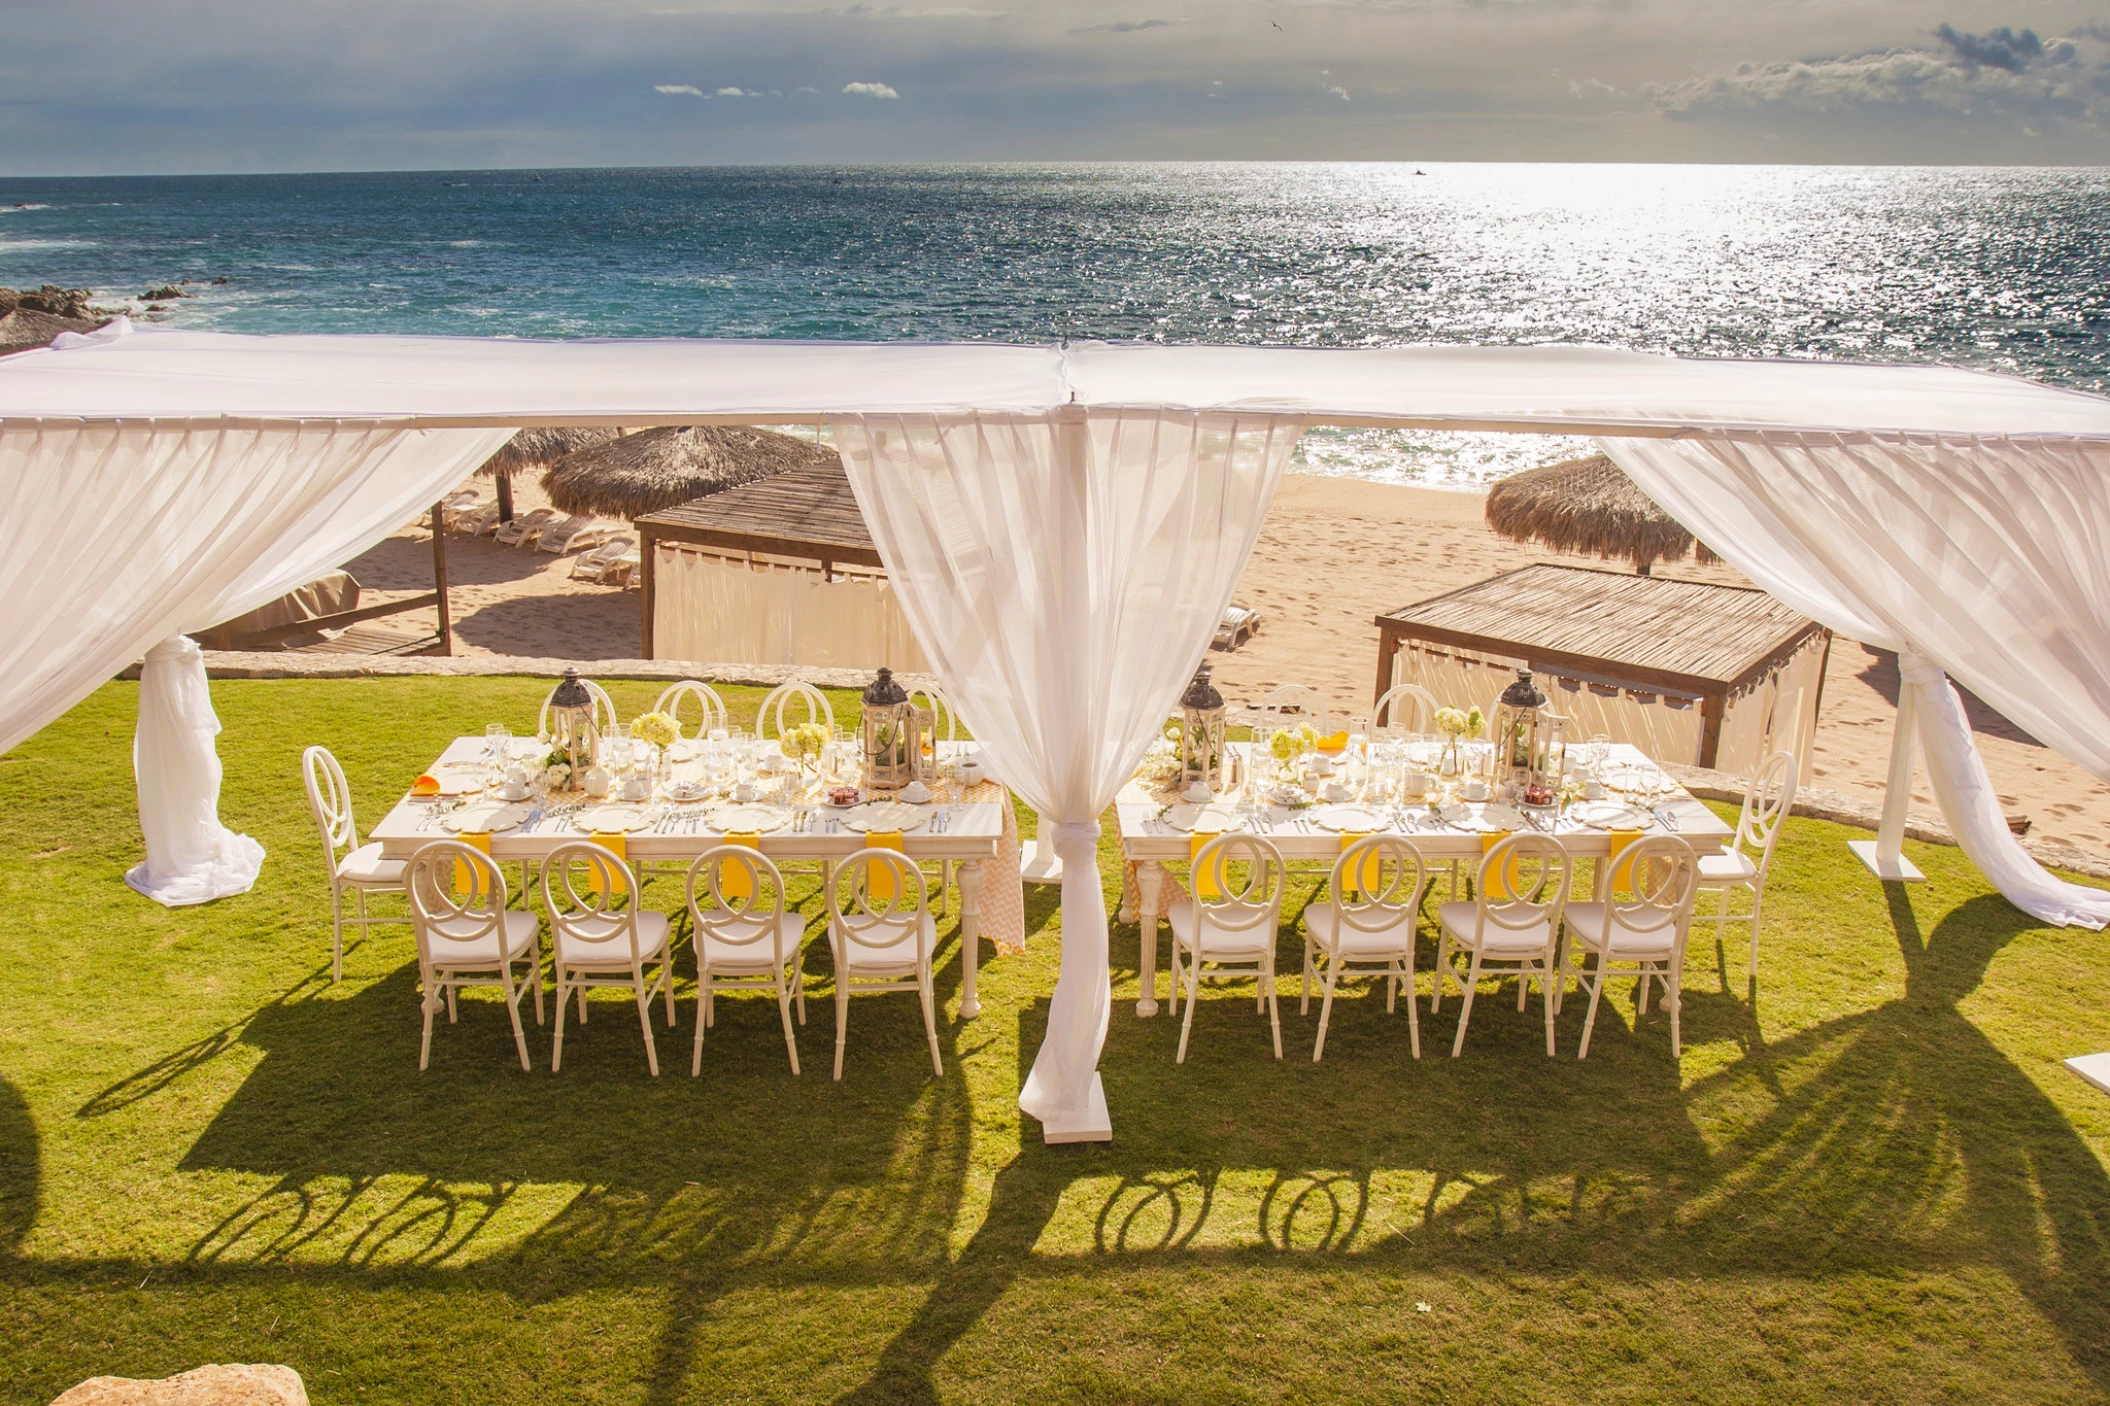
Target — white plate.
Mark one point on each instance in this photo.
(459, 778)
(514, 792)
(884, 817)
(684, 751)
(480, 818)
(1610, 815)
(687, 790)
(1358, 819)
(526, 749)
(612, 819)
(1485, 819)
(749, 819)
(1201, 820)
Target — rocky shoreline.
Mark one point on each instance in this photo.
(31, 317)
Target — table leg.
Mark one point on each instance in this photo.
(970, 936)
(1151, 879)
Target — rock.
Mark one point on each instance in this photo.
(164, 293)
(59, 302)
(234, 1384)
(23, 328)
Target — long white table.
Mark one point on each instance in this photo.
(1153, 846)
(973, 825)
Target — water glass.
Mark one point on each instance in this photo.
(497, 739)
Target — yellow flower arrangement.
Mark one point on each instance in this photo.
(805, 740)
(655, 727)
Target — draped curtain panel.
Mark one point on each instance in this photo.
(1978, 556)
(1064, 574)
(129, 534)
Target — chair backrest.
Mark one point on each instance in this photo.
(1306, 702)
(1523, 881)
(887, 899)
(612, 550)
(604, 716)
(671, 697)
(945, 726)
(456, 891)
(1407, 707)
(1660, 875)
(591, 895)
(1376, 881)
(329, 801)
(786, 695)
(1237, 881)
(746, 894)
(1766, 803)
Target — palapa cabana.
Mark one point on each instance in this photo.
(1715, 676)
(655, 469)
(1588, 507)
(782, 571)
(540, 444)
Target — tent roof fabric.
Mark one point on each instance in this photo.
(1683, 634)
(174, 376)
(803, 512)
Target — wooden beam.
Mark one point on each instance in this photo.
(1634, 675)
(648, 544)
(505, 497)
(1387, 652)
(1712, 708)
(439, 576)
(334, 622)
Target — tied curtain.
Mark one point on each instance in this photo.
(133, 533)
(1975, 557)
(1064, 574)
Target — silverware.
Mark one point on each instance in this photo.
(1664, 818)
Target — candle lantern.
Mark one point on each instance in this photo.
(1523, 761)
(574, 737)
(1202, 733)
(892, 745)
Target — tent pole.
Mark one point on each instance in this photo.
(439, 576)
(1884, 855)
(505, 497)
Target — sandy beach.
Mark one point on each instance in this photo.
(1334, 554)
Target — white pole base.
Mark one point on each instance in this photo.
(1093, 1125)
(1891, 871)
(2094, 1068)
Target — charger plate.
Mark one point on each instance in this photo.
(885, 816)
(482, 818)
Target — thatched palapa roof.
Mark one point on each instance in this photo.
(654, 469)
(544, 445)
(1587, 506)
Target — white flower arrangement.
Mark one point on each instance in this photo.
(804, 741)
(1293, 742)
(1460, 722)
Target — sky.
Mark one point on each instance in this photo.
(173, 86)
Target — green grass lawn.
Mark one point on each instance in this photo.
(1873, 1181)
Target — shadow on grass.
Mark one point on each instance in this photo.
(21, 1169)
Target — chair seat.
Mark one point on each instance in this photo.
(1216, 942)
(1498, 941)
(724, 952)
(1322, 921)
(452, 953)
(885, 957)
(365, 867)
(1727, 868)
(1586, 925)
(577, 945)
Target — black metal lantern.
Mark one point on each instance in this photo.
(890, 731)
(1202, 733)
(1525, 735)
(572, 729)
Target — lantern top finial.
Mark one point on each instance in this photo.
(1523, 693)
(883, 691)
(1201, 693)
(571, 693)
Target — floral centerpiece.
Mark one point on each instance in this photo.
(1292, 743)
(565, 767)
(804, 744)
(657, 728)
(1457, 724)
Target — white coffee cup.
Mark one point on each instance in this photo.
(745, 792)
(1475, 790)
(915, 793)
(969, 772)
(1199, 793)
(637, 788)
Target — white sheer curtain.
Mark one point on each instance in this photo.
(128, 534)
(1980, 556)
(1064, 574)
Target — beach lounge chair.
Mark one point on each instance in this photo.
(455, 504)
(522, 531)
(1240, 623)
(602, 561)
(571, 534)
(624, 570)
(476, 521)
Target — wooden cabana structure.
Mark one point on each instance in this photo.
(779, 571)
(1714, 676)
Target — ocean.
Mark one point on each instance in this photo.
(2005, 269)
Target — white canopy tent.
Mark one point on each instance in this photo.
(1064, 525)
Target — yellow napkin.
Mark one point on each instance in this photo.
(1369, 878)
(1209, 881)
(735, 880)
(879, 878)
(426, 785)
(464, 881)
(1334, 743)
(615, 843)
(1620, 875)
(1502, 887)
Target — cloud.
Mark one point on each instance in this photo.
(870, 90)
(2003, 76)
(1126, 26)
(688, 89)
(735, 93)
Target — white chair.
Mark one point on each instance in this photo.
(1368, 925)
(360, 870)
(523, 530)
(571, 534)
(604, 715)
(1511, 925)
(883, 940)
(672, 696)
(1229, 923)
(457, 505)
(601, 562)
(745, 941)
(1406, 707)
(1646, 934)
(788, 695)
(476, 521)
(1304, 704)
(1766, 803)
(468, 937)
(602, 937)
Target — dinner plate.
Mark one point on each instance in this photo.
(1635, 778)
(611, 819)
(1360, 820)
(749, 818)
(885, 816)
(459, 778)
(684, 751)
(1201, 819)
(526, 749)
(687, 790)
(1610, 815)
(482, 818)
(1485, 818)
